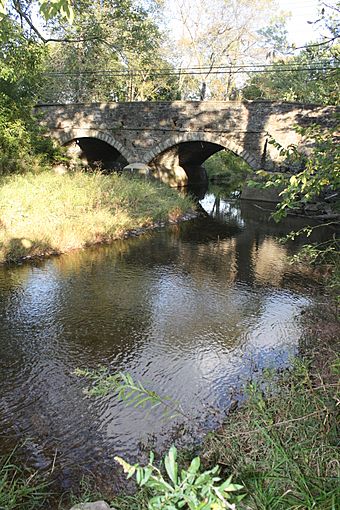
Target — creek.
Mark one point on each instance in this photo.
(192, 310)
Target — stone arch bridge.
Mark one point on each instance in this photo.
(175, 138)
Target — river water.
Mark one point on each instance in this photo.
(192, 310)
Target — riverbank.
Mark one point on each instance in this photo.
(282, 443)
(44, 214)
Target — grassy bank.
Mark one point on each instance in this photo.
(48, 213)
(283, 444)
(20, 489)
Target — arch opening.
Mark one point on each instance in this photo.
(95, 154)
(183, 163)
(226, 167)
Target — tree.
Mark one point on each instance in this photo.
(312, 76)
(223, 33)
(114, 53)
(20, 78)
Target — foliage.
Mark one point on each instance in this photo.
(319, 176)
(19, 488)
(282, 444)
(21, 142)
(323, 255)
(132, 393)
(113, 54)
(312, 75)
(320, 172)
(221, 33)
(185, 488)
(48, 213)
(49, 9)
(300, 78)
(226, 166)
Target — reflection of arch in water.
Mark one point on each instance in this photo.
(97, 146)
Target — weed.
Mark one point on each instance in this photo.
(282, 445)
(183, 488)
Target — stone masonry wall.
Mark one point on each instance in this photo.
(141, 131)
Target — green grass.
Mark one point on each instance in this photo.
(224, 166)
(20, 489)
(48, 213)
(283, 444)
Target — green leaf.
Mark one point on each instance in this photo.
(139, 476)
(203, 478)
(233, 487)
(171, 464)
(146, 477)
(195, 465)
(226, 483)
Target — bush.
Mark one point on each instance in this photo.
(186, 488)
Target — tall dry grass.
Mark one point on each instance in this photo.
(49, 213)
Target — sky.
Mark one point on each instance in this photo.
(302, 11)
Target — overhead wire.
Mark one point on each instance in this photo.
(197, 71)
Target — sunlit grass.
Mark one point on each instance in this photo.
(49, 213)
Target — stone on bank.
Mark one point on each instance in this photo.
(97, 505)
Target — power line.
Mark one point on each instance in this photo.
(194, 71)
(255, 66)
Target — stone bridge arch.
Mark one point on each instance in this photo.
(81, 133)
(171, 162)
(216, 139)
(141, 131)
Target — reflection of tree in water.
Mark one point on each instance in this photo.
(116, 304)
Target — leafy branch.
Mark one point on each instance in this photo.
(49, 9)
(185, 488)
(132, 393)
(320, 168)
